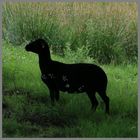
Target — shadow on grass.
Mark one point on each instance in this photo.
(25, 107)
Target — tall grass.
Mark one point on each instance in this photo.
(108, 29)
(97, 32)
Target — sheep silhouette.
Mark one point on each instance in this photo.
(73, 78)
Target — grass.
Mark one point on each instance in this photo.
(109, 29)
(104, 33)
(27, 107)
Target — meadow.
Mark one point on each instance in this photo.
(104, 34)
(108, 30)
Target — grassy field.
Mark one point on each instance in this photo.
(104, 33)
(109, 29)
(27, 111)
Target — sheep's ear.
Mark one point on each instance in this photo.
(43, 46)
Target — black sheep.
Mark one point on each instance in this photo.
(78, 78)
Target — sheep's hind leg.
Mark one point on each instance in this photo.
(106, 100)
(93, 100)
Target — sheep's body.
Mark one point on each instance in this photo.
(78, 78)
(75, 77)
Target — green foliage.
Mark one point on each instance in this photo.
(80, 55)
(27, 107)
(108, 29)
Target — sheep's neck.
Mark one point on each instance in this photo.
(44, 59)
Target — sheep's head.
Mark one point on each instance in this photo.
(38, 46)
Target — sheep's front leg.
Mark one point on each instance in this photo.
(57, 95)
(52, 96)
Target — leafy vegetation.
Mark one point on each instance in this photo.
(104, 33)
(108, 29)
(27, 107)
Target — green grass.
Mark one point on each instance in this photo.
(109, 29)
(27, 110)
